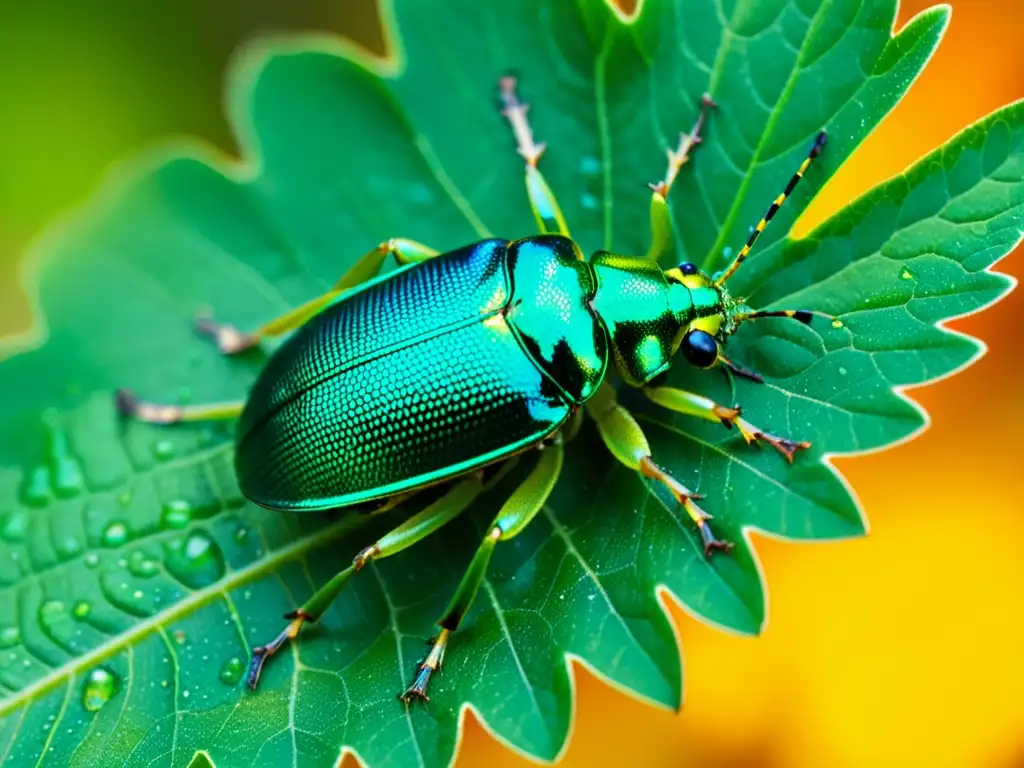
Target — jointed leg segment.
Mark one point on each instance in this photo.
(129, 404)
(516, 513)
(230, 340)
(413, 530)
(661, 227)
(680, 401)
(545, 206)
(627, 442)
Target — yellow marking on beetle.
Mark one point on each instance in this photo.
(711, 324)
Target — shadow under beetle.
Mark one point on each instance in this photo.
(462, 359)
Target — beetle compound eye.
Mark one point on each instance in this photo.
(700, 348)
(688, 268)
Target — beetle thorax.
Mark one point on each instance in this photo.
(646, 314)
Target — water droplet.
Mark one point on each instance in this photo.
(92, 560)
(163, 449)
(81, 610)
(115, 534)
(842, 371)
(137, 594)
(591, 166)
(420, 194)
(589, 201)
(727, 252)
(50, 607)
(142, 565)
(71, 547)
(176, 514)
(196, 561)
(100, 687)
(906, 274)
(37, 490)
(241, 533)
(14, 527)
(232, 670)
(9, 637)
(67, 475)
(837, 323)
(179, 637)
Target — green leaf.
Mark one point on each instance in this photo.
(134, 579)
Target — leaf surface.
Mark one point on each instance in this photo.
(134, 579)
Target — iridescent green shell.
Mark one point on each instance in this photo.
(424, 374)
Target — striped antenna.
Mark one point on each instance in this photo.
(803, 315)
(819, 142)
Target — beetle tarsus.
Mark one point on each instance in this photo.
(713, 544)
(679, 156)
(229, 340)
(515, 112)
(430, 665)
(261, 653)
(132, 406)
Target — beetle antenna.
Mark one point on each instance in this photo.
(803, 315)
(819, 143)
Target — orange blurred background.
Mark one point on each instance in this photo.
(904, 648)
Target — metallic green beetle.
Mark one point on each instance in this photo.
(463, 359)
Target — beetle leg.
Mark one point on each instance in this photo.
(627, 442)
(129, 404)
(415, 529)
(681, 401)
(661, 224)
(515, 514)
(230, 340)
(543, 202)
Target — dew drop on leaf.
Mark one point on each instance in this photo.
(231, 671)
(196, 561)
(100, 687)
(837, 323)
(142, 565)
(176, 514)
(9, 637)
(589, 201)
(14, 527)
(81, 610)
(67, 479)
(163, 449)
(92, 560)
(115, 534)
(37, 491)
(590, 166)
(906, 274)
(51, 607)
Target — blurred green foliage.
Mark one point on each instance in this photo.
(81, 83)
